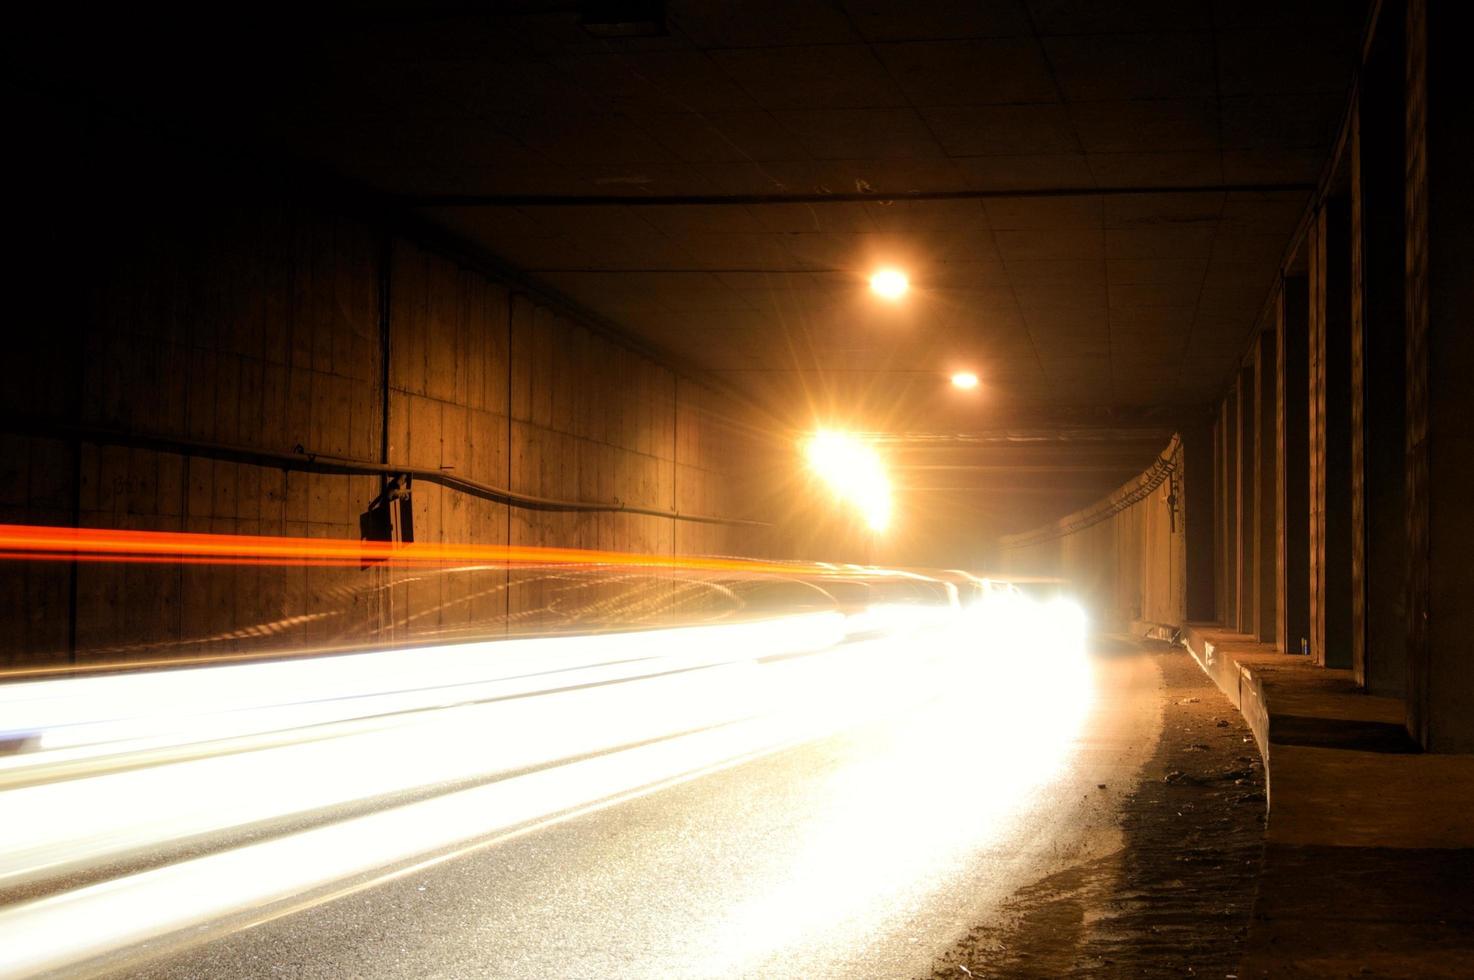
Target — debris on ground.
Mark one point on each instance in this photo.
(1176, 900)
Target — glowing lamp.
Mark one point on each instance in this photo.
(855, 474)
(890, 284)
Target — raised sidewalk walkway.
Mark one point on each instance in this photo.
(1369, 850)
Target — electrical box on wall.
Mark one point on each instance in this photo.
(390, 516)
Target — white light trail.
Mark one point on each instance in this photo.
(584, 721)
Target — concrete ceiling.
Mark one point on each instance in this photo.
(540, 142)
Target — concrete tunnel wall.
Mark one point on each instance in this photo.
(1124, 558)
(260, 326)
(1341, 453)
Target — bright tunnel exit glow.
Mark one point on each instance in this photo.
(854, 472)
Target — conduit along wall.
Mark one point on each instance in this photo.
(1123, 558)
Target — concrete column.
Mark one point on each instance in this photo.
(1292, 471)
(1245, 493)
(1439, 209)
(1199, 510)
(1219, 604)
(1378, 377)
(1330, 434)
(1265, 592)
(1228, 417)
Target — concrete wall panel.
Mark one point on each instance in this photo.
(1128, 567)
(266, 332)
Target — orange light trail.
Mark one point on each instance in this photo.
(36, 543)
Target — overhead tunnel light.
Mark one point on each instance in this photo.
(854, 471)
(890, 284)
(965, 380)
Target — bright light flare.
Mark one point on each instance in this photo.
(1019, 691)
(965, 380)
(855, 473)
(889, 284)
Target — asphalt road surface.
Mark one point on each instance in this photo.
(862, 851)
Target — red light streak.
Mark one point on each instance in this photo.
(35, 543)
